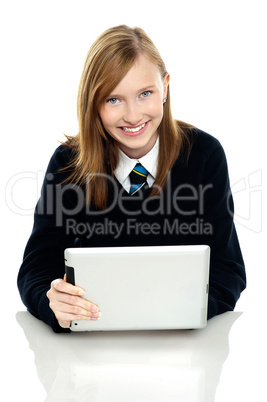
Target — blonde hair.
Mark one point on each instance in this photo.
(95, 152)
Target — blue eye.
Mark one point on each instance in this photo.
(113, 101)
(145, 94)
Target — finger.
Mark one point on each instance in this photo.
(61, 286)
(64, 319)
(77, 312)
(76, 301)
(64, 324)
(66, 312)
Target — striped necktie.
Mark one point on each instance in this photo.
(138, 178)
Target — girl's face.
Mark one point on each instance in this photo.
(133, 111)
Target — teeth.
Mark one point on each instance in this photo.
(133, 130)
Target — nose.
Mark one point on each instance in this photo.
(132, 114)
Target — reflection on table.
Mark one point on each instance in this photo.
(182, 365)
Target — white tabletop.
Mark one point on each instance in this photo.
(218, 363)
(219, 84)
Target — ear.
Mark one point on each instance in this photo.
(166, 82)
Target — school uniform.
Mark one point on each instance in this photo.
(196, 207)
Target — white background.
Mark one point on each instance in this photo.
(215, 52)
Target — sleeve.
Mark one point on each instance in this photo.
(43, 259)
(227, 270)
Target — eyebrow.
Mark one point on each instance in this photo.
(146, 88)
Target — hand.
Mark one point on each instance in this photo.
(67, 303)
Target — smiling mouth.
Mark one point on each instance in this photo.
(134, 129)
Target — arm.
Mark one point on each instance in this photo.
(48, 298)
(227, 271)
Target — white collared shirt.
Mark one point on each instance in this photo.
(126, 165)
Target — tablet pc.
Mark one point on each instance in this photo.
(142, 288)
